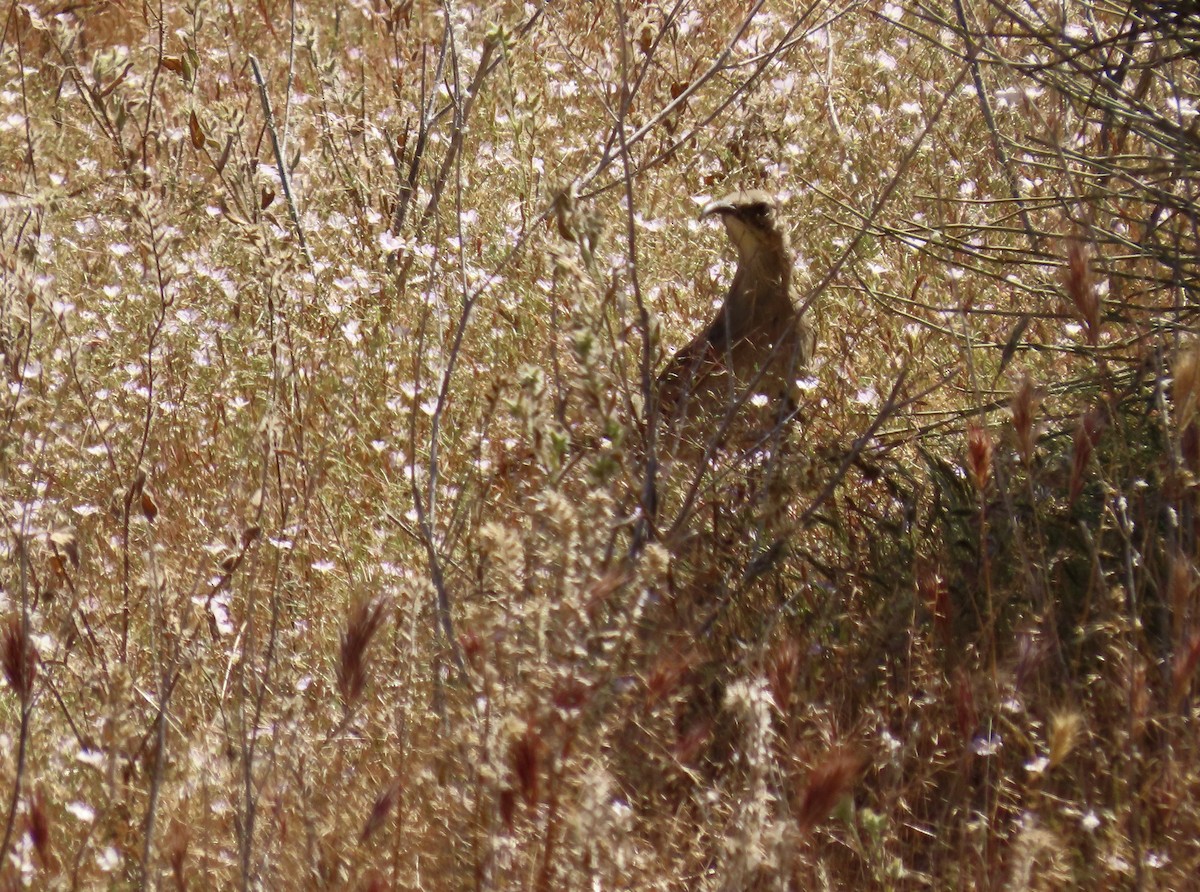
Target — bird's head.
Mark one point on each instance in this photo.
(751, 220)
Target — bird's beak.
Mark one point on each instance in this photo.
(716, 207)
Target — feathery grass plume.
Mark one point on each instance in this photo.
(1024, 405)
(19, 656)
(830, 779)
(525, 757)
(1065, 730)
(380, 809)
(37, 825)
(1088, 429)
(979, 445)
(783, 665)
(1081, 289)
(365, 618)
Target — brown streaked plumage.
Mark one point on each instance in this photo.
(758, 339)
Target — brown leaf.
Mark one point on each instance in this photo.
(196, 131)
(149, 506)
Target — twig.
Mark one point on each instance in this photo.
(649, 496)
(284, 178)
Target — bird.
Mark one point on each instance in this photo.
(758, 342)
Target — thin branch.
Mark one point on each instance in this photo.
(277, 147)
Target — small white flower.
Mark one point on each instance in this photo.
(94, 758)
(108, 859)
(987, 744)
(1038, 765)
(867, 396)
(81, 811)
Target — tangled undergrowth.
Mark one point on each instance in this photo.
(342, 548)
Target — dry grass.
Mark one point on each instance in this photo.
(334, 554)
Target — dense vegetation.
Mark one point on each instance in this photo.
(329, 335)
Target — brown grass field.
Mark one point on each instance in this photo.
(341, 550)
